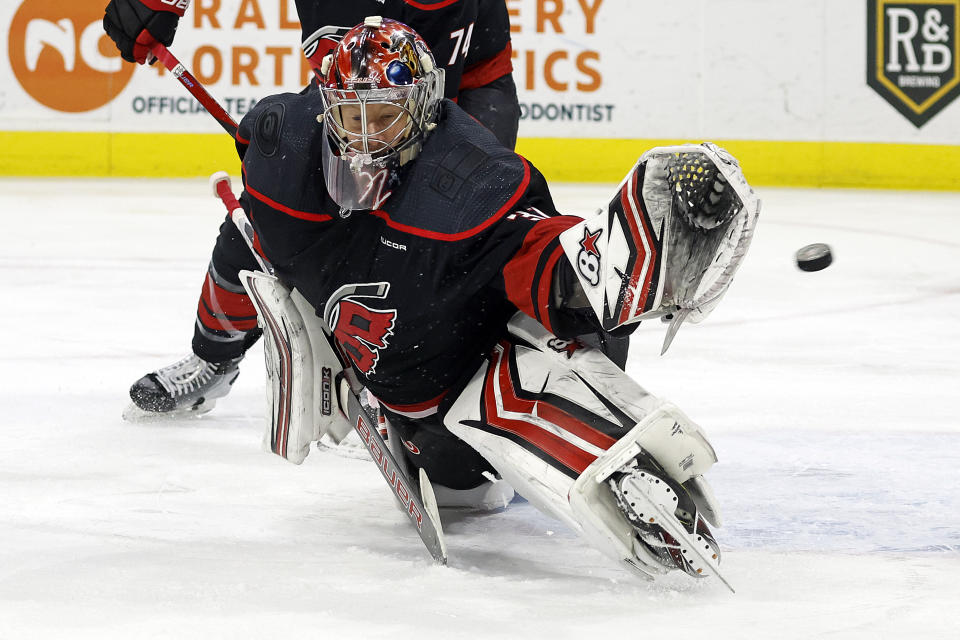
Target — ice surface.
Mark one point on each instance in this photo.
(831, 398)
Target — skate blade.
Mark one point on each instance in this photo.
(654, 503)
(489, 497)
(133, 413)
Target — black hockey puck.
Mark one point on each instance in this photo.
(814, 257)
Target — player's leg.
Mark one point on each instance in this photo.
(460, 476)
(580, 440)
(226, 326)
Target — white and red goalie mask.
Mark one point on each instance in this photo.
(381, 92)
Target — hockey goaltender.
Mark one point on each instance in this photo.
(401, 253)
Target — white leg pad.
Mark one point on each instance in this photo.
(301, 369)
(669, 436)
(542, 485)
(504, 408)
(673, 440)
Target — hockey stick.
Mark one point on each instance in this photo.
(196, 89)
(220, 181)
(419, 506)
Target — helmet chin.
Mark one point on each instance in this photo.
(358, 161)
(359, 181)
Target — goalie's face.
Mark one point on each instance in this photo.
(373, 129)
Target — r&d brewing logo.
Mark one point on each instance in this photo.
(912, 52)
(61, 56)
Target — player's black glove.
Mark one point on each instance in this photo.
(137, 25)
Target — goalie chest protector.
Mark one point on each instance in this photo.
(414, 291)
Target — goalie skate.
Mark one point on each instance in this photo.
(188, 387)
(666, 519)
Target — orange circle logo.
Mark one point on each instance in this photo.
(62, 57)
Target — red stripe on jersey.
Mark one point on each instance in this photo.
(303, 215)
(566, 453)
(631, 210)
(526, 287)
(486, 71)
(462, 235)
(432, 6)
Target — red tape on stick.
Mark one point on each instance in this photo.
(224, 190)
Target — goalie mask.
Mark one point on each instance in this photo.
(381, 92)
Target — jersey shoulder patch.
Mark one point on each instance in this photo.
(267, 129)
(282, 164)
(460, 183)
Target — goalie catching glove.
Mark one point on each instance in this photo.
(669, 242)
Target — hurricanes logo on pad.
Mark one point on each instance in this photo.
(359, 329)
(588, 259)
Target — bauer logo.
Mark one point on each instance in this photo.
(912, 51)
(61, 56)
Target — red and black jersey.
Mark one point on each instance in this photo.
(469, 38)
(417, 292)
